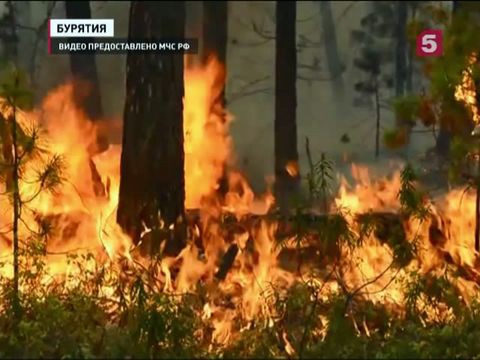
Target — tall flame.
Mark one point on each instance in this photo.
(207, 141)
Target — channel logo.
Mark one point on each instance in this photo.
(430, 43)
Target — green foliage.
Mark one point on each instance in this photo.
(438, 107)
(15, 88)
(406, 108)
(319, 179)
(411, 199)
(459, 151)
(396, 138)
(374, 38)
(50, 177)
(336, 230)
(78, 326)
(78, 322)
(428, 293)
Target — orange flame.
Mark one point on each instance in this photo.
(292, 168)
(207, 141)
(466, 91)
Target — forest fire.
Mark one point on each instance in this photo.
(81, 216)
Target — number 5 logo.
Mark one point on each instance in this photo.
(430, 43)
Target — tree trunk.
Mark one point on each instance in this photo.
(215, 15)
(334, 64)
(152, 161)
(25, 40)
(16, 215)
(401, 62)
(215, 29)
(410, 57)
(477, 216)
(444, 137)
(8, 33)
(401, 49)
(455, 6)
(286, 185)
(215, 35)
(377, 121)
(87, 95)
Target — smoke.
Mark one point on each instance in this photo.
(320, 114)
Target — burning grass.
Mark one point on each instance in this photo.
(388, 272)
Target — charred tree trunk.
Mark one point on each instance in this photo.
(286, 184)
(334, 64)
(152, 162)
(86, 91)
(215, 15)
(215, 29)
(215, 35)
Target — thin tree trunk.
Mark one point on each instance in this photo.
(444, 137)
(455, 6)
(286, 185)
(411, 59)
(215, 36)
(25, 36)
(401, 62)
(377, 124)
(152, 161)
(401, 49)
(16, 216)
(87, 94)
(477, 216)
(334, 64)
(15, 176)
(8, 33)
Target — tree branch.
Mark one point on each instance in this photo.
(245, 90)
(313, 78)
(238, 96)
(261, 32)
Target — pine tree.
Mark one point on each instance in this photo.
(20, 149)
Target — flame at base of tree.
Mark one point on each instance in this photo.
(348, 259)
